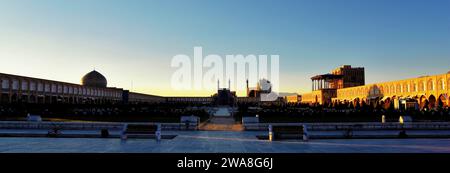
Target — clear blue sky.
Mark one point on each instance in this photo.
(134, 41)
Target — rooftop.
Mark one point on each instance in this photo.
(326, 76)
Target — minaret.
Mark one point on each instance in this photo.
(247, 88)
(229, 84)
(218, 85)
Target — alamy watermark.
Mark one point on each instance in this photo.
(233, 71)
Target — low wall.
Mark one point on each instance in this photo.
(356, 126)
(87, 125)
(250, 120)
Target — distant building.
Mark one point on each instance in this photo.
(93, 90)
(225, 96)
(263, 86)
(94, 79)
(351, 76)
(346, 86)
(324, 86)
(293, 98)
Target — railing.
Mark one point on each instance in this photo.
(87, 125)
(357, 126)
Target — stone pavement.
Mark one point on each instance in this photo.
(222, 124)
(222, 120)
(221, 142)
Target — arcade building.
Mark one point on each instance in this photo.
(345, 85)
(94, 89)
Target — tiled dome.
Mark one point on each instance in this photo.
(94, 79)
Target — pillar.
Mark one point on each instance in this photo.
(320, 84)
(315, 85)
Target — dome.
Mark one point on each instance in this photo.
(94, 79)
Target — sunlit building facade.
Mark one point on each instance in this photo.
(426, 92)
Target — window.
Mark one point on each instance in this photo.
(40, 87)
(448, 82)
(430, 85)
(421, 86)
(443, 84)
(47, 88)
(53, 88)
(32, 86)
(24, 85)
(5, 84)
(15, 85)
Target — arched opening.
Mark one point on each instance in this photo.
(381, 103)
(40, 100)
(14, 98)
(394, 99)
(376, 102)
(24, 98)
(334, 103)
(430, 85)
(350, 105)
(54, 100)
(345, 103)
(356, 103)
(364, 102)
(432, 102)
(423, 102)
(442, 101)
(387, 103)
(60, 99)
(84, 100)
(32, 99)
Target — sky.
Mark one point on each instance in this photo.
(132, 42)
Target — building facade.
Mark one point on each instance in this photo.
(322, 96)
(351, 76)
(325, 86)
(293, 98)
(427, 92)
(21, 89)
